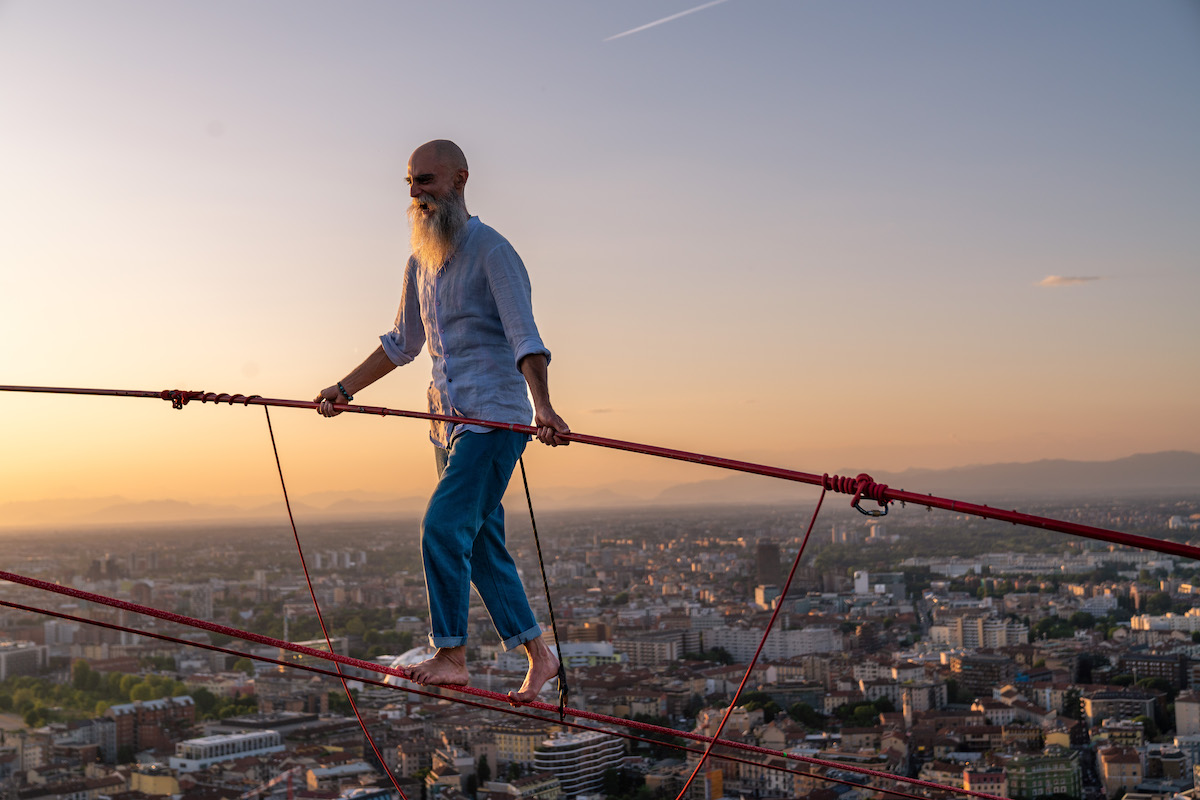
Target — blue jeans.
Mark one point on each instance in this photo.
(462, 541)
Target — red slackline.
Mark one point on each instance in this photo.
(257, 638)
(460, 700)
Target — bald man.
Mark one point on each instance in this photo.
(466, 295)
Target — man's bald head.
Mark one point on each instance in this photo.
(445, 151)
(437, 168)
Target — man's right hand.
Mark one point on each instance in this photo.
(549, 425)
(373, 367)
(326, 400)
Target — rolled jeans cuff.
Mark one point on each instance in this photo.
(447, 641)
(521, 638)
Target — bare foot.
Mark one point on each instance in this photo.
(447, 667)
(543, 665)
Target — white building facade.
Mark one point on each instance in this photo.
(579, 760)
(193, 755)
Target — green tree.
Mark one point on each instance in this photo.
(483, 770)
(1082, 620)
(755, 700)
(755, 695)
(355, 626)
(1158, 604)
(1072, 706)
(244, 665)
(718, 654)
(24, 699)
(1148, 727)
(611, 783)
(127, 682)
(112, 687)
(82, 676)
(1157, 685)
(206, 703)
(859, 715)
(142, 692)
(235, 707)
(807, 716)
(770, 711)
(1053, 628)
(339, 704)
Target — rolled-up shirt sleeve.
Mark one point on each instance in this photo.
(406, 338)
(509, 282)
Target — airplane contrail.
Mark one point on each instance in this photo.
(641, 28)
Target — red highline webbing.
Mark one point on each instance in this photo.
(214, 627)
(860, 486)
(411, 690)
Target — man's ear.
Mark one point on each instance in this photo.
(460, 179)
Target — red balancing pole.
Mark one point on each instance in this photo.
(860, 486)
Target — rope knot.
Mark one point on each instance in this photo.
(861, 486)
(178, 397)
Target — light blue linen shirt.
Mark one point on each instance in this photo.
(476, 314)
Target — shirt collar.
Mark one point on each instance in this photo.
(465, 233)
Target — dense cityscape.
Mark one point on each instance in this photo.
(951, 650)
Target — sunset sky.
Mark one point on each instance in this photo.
(821, 234)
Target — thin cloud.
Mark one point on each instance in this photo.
(1061, 280)
(671, 18)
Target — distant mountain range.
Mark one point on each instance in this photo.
(1171, 472)
(1144, 474)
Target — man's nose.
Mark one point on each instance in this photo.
(414, 190)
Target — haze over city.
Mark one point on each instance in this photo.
(815, 234)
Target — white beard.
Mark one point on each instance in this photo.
(434, 236)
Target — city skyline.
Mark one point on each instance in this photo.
(814, 235)
(1161, 477)
(1024, 648)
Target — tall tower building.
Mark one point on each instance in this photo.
(768, 567)
(579, 760)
